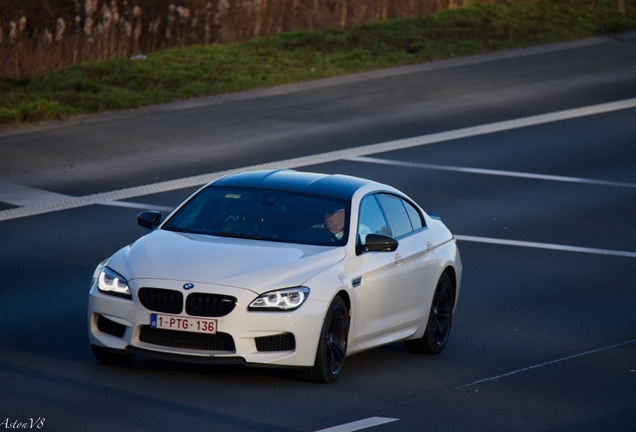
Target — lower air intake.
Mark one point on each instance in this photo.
(112, 328)
(185, 340)
(281, 342)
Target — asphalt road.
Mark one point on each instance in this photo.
(544, 336)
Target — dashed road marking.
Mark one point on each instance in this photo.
(360, 424)
(570, 357)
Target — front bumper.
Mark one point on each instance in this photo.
(287, 339)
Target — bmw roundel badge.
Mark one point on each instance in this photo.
(188, 286)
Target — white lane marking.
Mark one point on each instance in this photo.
(496, 377)
(492, 172)
(21, 195)
(321, 158)
(360, 424)
(545, 246)
(133, 205)
(544, 364)
(505, 375)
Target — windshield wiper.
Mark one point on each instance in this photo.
(241, 235)
(183, 230)
(252, 236)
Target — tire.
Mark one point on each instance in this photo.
(111, 356)
(332, 346)
(440, 318)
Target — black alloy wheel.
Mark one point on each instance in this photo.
(440, 319)
(332, 347)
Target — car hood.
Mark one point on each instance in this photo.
(255, 265)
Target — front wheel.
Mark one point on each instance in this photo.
(332, 347)
(440, 318)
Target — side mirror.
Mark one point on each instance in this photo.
(380, 243)
(149, 219)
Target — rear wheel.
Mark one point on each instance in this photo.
(440, 319)
(111, 356)
(332, 347)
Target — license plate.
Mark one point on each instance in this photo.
(184, 324)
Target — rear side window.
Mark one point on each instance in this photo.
(404, 217)
(396, 211)
(414, 215)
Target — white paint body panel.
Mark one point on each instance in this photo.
(391, 303)
(243, 263)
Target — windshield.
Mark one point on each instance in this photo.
(264, 215)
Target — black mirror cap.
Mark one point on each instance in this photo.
(149, 219)
(380, 243)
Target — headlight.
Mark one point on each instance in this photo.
(98, 270)
(111, 282)
(280, 300)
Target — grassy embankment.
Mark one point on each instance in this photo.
(198, 71)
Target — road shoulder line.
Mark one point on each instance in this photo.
(320, 158)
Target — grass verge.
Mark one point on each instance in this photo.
(207, 70)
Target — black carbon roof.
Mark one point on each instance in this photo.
(336, 185)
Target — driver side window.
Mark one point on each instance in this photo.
(371, 219)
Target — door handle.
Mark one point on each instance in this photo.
(430, 246)
(399, 259)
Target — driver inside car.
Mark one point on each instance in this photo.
(334, 221)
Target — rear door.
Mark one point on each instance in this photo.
(419, 263)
